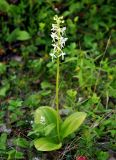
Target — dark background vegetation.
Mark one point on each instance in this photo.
(87, 82)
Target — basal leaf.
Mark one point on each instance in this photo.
(48, 117)
(48, 113)
(49, 128)
(72, 123)
(46, 144)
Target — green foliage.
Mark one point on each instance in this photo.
(15, 111)
(46, 118)
(49, 113)
(21, 142)
(4, 89)
(3, 139)
(18, 35)
(13, 154)
(4, 6)
(33, 100)
(72, 123)
(2, 68)
(46, 144)
(102, 155)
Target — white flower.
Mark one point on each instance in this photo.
(56, 47)
(42, 120)
(31, 122)
(62, 41)
(63, 30)
(54, 27)
(36, 158)
(80, 99)
(62, 54)
(53, 56)
(54, 36)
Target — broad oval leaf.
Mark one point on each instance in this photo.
(23, 35)
(72, 123)
(18, 34)
(49, 128)
(49, 114)
(48, 117)
(46, 144)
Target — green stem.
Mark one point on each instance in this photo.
(57, 84)
(57, 96)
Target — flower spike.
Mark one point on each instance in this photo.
(58, 39)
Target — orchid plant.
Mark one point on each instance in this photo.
(50, 129)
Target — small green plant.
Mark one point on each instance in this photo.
(48, 125)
